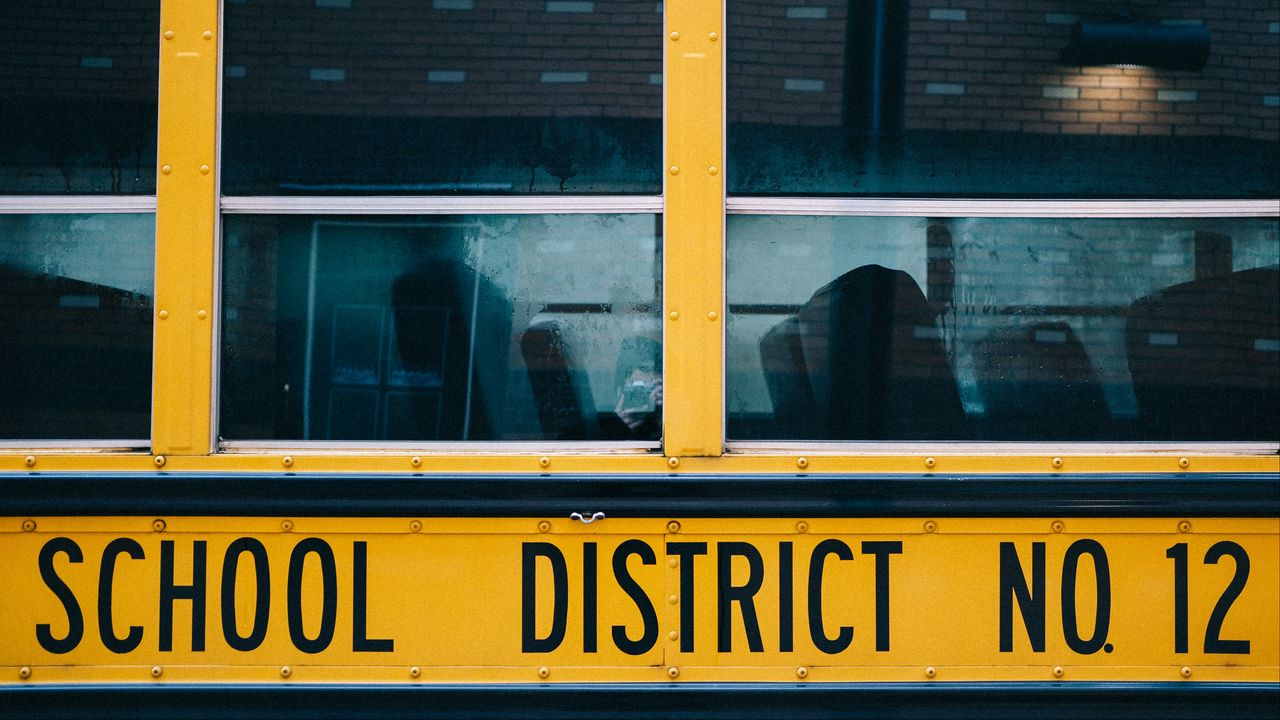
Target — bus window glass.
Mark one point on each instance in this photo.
(75, 326)
(442, 96)
(78, 84)
(899, 328)
(934, 97)
(476, 327)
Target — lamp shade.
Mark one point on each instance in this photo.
(1170, 47)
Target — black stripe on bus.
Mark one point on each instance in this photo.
(650, 496)
(718, 701)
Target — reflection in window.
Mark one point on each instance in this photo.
(935, 97)
(1003, 329)
(75, 326)
(78, 86)
(441, 328)
(415, 97)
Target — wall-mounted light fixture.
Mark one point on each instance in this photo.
(1169, 47)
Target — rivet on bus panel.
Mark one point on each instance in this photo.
(673, 562)
(930, 526)
(673, 672)
(24, 672)
(156, 671)
(286, 671)
(286, 525)
(675, 169)
(30, 461)
(673, 599)
(544, 526)
(159, 525)
(802, 672)
(713, 170)
(158, 460)
(802, 527)
(415, 526)
(930, 462)
(1184, 463)
(415, 672)
(931, 672)
(208, 34)
(1057, 526)
(1186, 672)
(416, 461)
(1184, 526)
(1057, 462)
(713, 36)
(673, 526)
(168, 34)
(674, 315)
(287, 461)
(544, 462)
(674, 635)
(164, 314)
(204, 169)
(544, 672)
(28, 525)
(166, 169)
(713, 315)
(675, 35)
(1058, 671)
(802, 463)
(202, 314)
(673, 461)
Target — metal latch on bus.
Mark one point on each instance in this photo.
(586, 520)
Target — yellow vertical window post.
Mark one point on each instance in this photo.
(186, 236)
(693, 77)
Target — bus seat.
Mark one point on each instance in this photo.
(561, 391)
(1038, 383)
(1205, 358)
(782, 358)
(875, 360)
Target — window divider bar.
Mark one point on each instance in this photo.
(964, 207)
(76, 204)
(437, 205)
(693, 237)
(186, 229)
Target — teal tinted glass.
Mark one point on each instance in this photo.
(441, 328)
(76, 295)
(1062, 99)
(895, 328)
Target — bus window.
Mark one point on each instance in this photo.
(412, 97)
(78, 97)
(935, 99)
(901, 328)
(466, 327)
(75, 326)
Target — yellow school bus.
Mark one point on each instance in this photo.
(583, 358)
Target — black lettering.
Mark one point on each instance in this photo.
(530, 642)
(262, 594)
(817, 632)
(360, 641)
(169, 592)
(106, 579)
(786, 599)
(1102, 612)
(686, 551)
(1013, 586)
(75, 618)
(1178, 554)
(329, 601)
(882, 550)
(590, 603)
(648, 615)
(1213, 642)
(743, 594)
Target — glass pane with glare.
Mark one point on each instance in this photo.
(442, 328)
(896, 328)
